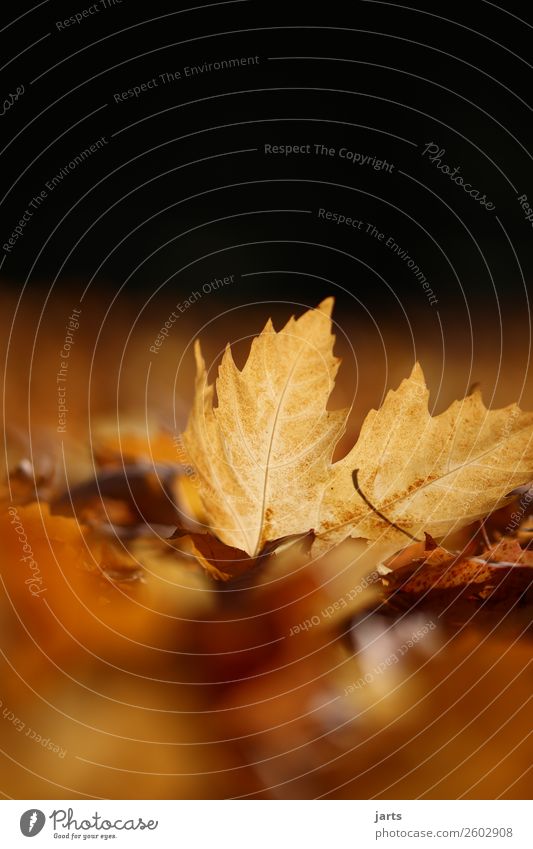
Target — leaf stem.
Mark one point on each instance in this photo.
(376, 511)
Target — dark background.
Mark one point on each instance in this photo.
(183, 192)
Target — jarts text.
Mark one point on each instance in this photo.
(380, 817)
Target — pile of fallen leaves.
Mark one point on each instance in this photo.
(254, 473)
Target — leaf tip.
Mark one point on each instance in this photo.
(417, 375)
(326, 306)
(227, 360)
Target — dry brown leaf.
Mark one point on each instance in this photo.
(453, 582)
(263, 455)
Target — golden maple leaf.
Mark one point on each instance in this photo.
(426, 473)
(263, 455)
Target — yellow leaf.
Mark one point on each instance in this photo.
(426, 473)
(262, 456)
